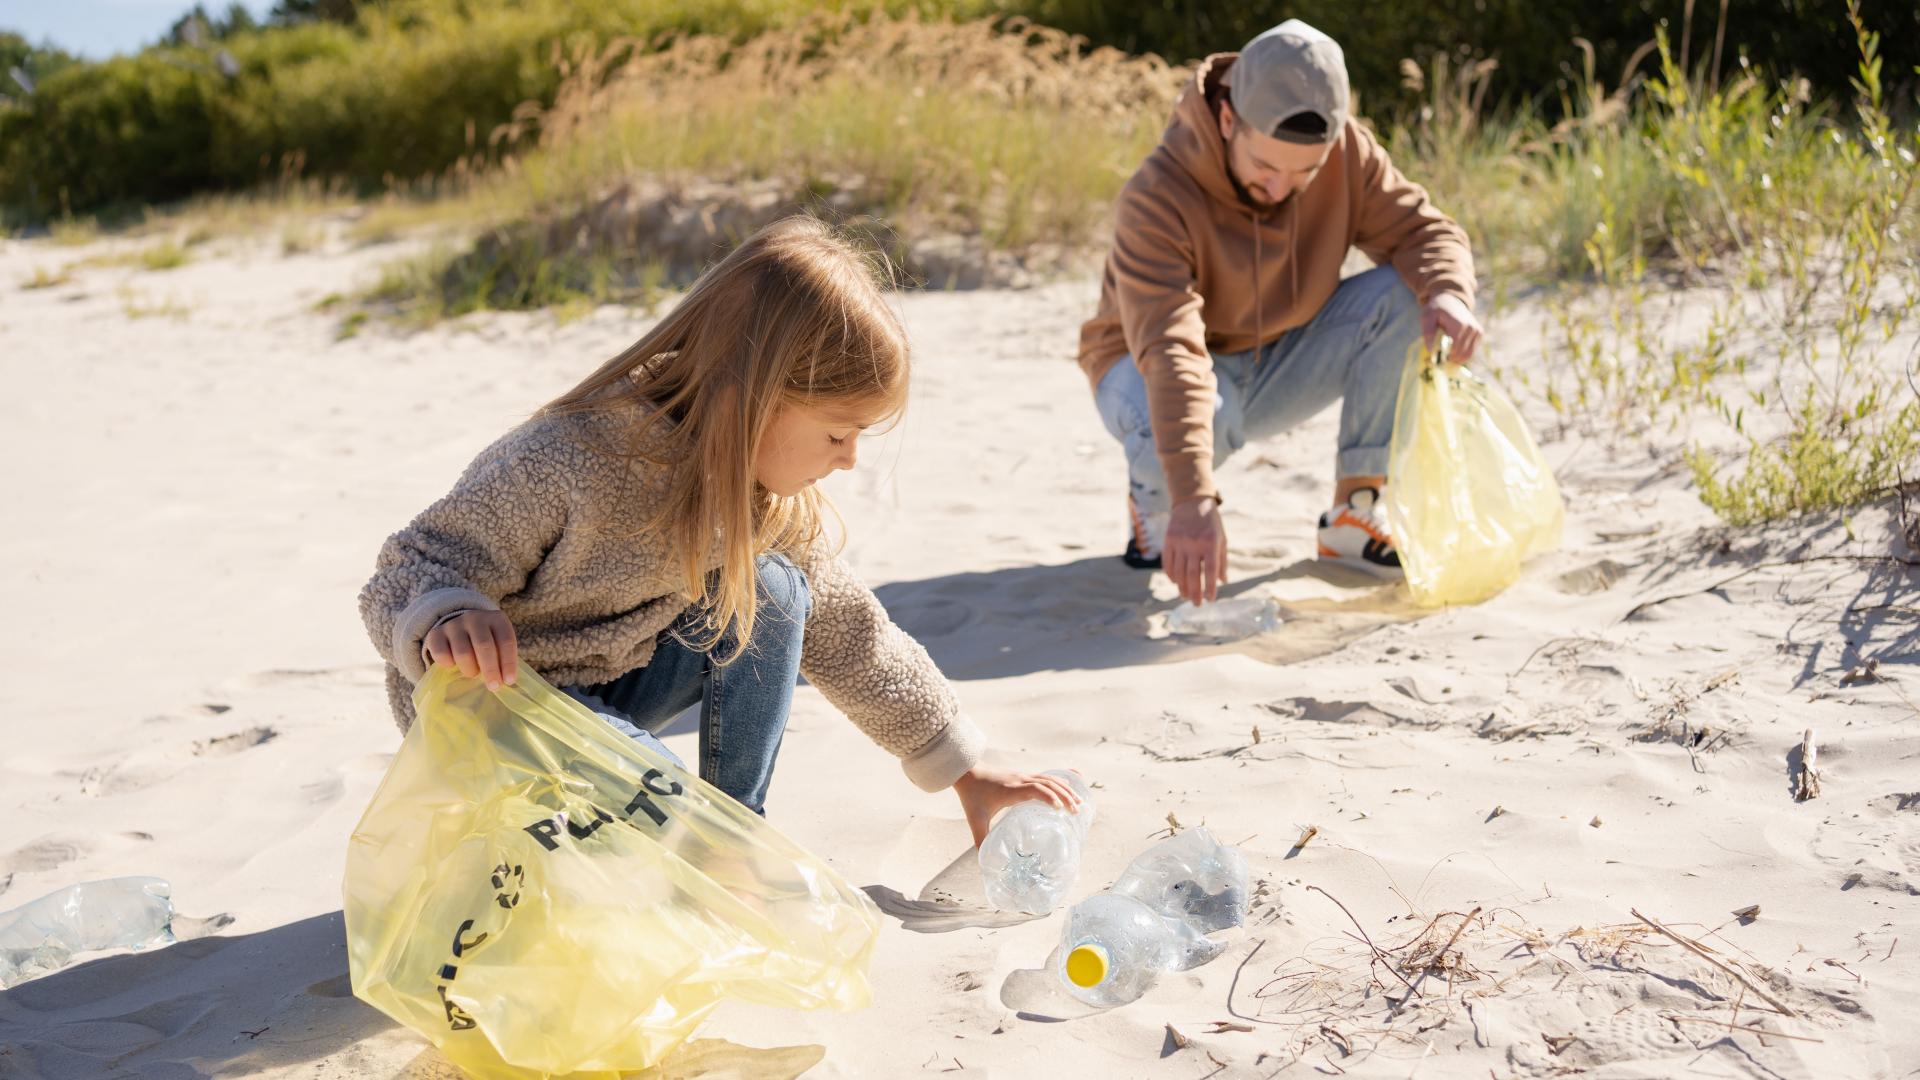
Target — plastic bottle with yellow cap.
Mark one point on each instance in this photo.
(1155, 918)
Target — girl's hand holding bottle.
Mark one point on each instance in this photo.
(985, 791)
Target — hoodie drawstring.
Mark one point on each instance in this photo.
(1259, 315)
(1259, 295)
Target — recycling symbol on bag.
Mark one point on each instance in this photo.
(502, 874)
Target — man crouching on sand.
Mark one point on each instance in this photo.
(1223, 316)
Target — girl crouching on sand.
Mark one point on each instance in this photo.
(653, 537)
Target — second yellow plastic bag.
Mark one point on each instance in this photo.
(1468, 494)
(540, 895)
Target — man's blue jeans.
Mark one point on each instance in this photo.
(1352, 352)
(743, 704)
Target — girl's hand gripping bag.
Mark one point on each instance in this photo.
(1468, 494)
(540, 895)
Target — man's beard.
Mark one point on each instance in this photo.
(1251, 196)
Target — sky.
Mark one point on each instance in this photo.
(99, 28)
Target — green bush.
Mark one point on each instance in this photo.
(36, 61)
(409, 89)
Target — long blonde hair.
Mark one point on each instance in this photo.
(796, 315)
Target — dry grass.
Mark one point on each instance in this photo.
(43, 278)
(166, 255)
(73, 232)
(1367, 997)
(138, 304)
(1016, 135)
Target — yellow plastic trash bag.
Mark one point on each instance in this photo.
(540, 895)
(1468, 494)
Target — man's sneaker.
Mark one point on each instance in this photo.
(1356, 535)
(1146, 534)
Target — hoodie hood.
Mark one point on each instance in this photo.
(1192, 139)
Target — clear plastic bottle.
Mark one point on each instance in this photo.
(1154, 919)
(1231, 619)
(121, 913)
(1192, 878)
(1032, 854)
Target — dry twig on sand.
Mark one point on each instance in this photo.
(1438, 959)
(1722, 1024)
(1699, 950)
(1379, 955)
(1335, 1011)
(1807, 784)
(1306, 834)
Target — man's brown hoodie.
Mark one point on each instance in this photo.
(1195, 269)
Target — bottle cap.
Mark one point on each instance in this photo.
(1087, 965)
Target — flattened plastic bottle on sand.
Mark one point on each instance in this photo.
(1154, 919)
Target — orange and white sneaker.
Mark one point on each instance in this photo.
(1356, 535)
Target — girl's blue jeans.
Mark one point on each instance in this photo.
(743, 704)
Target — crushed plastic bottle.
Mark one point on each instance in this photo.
(120, 913)
(1231, 619)
(1155, 918)
(1032, 854)
(1192, 878)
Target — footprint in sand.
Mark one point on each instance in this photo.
(145, 768)
(169, 1018)
(44, 854)
(323, 791)
(1355, 713)
(1877, 849)
(1593, 680)
(222, 745)
(1632, 1036)
(374, 763)
(123, 777)
(1588, 580)
(340, 986)
(279, 678)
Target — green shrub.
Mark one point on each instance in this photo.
(410, 89)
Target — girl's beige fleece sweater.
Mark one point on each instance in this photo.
(547, 527)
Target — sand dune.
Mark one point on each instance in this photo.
(196, 498)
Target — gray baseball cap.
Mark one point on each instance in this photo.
(1291, 83)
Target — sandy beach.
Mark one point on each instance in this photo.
(199, 474)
